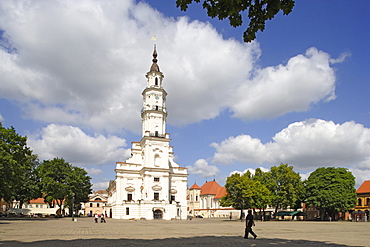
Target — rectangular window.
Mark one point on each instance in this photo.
(91, 204)
(97, 204)
(172, 198)
(41, 206)
(29, 206)
(37, 206)
(129, 197)
(156, 196)
(127, 211)
(156, 179)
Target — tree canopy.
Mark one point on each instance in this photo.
(259, 11)
(285, 185)
(18, 180)
(245, 192)
(61, 181)
(23, 178)
(331, 190)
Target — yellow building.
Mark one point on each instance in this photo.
(363, 202)
(96, 204)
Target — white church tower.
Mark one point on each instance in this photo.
(150, 184)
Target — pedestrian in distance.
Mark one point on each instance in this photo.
(96, 218)
(249, 223)
(102, 219)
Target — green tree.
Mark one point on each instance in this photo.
(244, 192)
(263, 195)
(17, 166)
(80, 188)
(59, 180)
(331, 190)
(238, 194)
(285, 186)
(28, 186)
(259, 11)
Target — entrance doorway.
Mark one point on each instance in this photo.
(157, 214)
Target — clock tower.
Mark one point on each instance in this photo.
(153, 113)
(150, 184)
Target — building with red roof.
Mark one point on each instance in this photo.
(35, 207)
(205, 201)
(363, 199)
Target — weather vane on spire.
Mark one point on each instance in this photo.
(154, 38)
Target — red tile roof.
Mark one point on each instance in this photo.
(210, 188)
(364, 188)
(38, 200)
(195, 187)
(220, 192)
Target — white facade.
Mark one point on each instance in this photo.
(150, 184)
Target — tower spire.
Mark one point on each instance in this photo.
(155, 66)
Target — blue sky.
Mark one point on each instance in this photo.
(72, 74)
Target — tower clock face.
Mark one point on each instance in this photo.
(156, 97)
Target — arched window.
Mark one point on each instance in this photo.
(156, 81)
(359, 202)
(156, 160)
(367, 201)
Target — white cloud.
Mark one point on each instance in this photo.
(275, 91)
(86, 67)
(94, 171)
(306, 145)
(100, 186)
(76, 147)
(202, 168)
(1, 118)
(241, 148)
(251, 170)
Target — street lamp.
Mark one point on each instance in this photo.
(73, 202)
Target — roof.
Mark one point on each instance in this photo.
(210, 188)
(101, 192)
(364, 188)
(221, 192)
(195, 187)
(38, 200)
(154, 66)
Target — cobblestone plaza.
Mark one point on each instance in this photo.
(196, 232)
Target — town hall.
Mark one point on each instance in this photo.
(150, 184)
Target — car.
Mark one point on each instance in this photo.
(199, 216)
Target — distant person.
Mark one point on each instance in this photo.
(96, 218)
(249, 222)
(102, 219)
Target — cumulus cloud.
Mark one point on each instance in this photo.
(306, 145)
(76, 147)
(202, 168)
(306, 79)
(100, 186)
(251, 170)
(86, 67)
(94, 171)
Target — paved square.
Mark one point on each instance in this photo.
(196, 232)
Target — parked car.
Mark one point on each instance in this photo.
(199, 216)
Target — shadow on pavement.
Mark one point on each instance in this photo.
(195, 241)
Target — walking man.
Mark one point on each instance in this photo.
(249, 222)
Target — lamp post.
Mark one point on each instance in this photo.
(73, 205)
